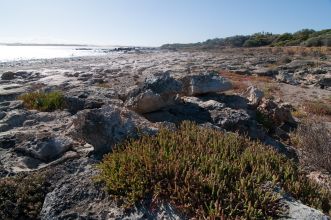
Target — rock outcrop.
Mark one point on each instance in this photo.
(8, 76)
(204, 83)
(278, 113)
(104, 127)
(109, 100)
(77, 195)
(254, 95)
(157, 92)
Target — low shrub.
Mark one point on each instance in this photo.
(270, 91)
(313, 139)
(22, 197)
(317, 108)
(205, 173)
(299, 114)
(43, 101)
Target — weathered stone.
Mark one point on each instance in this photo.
(265, 71)
(286, 77)
(297, 210)
(210, 104)
(108, 125)
(157, 92)
(204, 83)
(14, 119)
(77, 196)
(295, 64)
(8, 76)
(279, 114)
(46, 149)
(7, 142)
(2, 114)
(325, 82)
(89, 98)
(254, 95)
(230, 119)
(147, 101)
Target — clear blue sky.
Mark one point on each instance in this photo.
(154, 22)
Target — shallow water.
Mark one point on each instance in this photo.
(13, 53)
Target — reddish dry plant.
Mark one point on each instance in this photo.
(318, 108)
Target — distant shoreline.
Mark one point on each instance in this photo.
(60, 45)
(34, 44)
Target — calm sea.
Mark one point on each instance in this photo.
(13, 53)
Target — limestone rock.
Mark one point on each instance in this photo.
(109, 125)
(286, 77)
(46, 149)
(77, 196)
(157, 92)
(204, 83)
(254, 95)
(231, 119)
(297, 210)
(279, 113)
(210, 104)
(325, 82)
(13, 119)
(262, 71)
(8, 76)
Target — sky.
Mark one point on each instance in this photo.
(154, 22)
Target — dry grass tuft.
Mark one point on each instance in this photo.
(313, 140)
(22, 197)
(43, 101)
(299, 114)
(317, 108)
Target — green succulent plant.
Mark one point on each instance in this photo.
(206, 174)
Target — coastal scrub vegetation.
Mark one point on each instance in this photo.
(22, 196)
(43, 101)
(317, 107)
(304, 37)
(313, 139)
(206, 173)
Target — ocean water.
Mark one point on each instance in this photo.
(13, 53)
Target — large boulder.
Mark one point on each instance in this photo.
(147, 101)
(109, 125)
(204, 83)
(158, 91)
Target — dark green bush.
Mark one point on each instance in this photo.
(259, 39)
(43, 101)
(319, 41)
(303, 34)
(206, 173)
(22, 197)
(304, 37)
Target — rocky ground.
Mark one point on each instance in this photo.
(109, 98)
